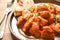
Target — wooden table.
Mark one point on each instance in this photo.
(7, 33)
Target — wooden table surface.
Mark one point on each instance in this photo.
(7, 33)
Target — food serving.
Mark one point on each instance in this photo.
(40, 21)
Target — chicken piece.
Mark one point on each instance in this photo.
(26, 14)
(57, 10)
(35, 30)
(41, 7)
(20, 22)
(27, 26)
(43, 22)
(47, 33)
(51, 8)
(55, 27)
(45, 14)
(36, 19)
(51, 19)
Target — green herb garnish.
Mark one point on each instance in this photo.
(51, 8)
(55, 18)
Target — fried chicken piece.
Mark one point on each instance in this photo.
(51, 19)
(58, 20)
(42, 22)
(26, 28)
(57, 10)
(26, 14)
(55, 27)
(41, 7)
(45, 14)
(36, 19)
(20, 22)
(47, 33)
(35, 30)
(27, 25)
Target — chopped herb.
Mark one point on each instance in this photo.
(51, 8)
(55, 18)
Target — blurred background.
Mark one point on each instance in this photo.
(48, 1)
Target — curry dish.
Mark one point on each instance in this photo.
(40, 21)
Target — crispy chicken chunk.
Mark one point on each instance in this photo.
(56, 27)
(45, 14)
(57, 10)
(43, 22)
(51, 19)
(41, 7)
(26, 14)
(20, 22)
(47, 32)
(35, 30)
